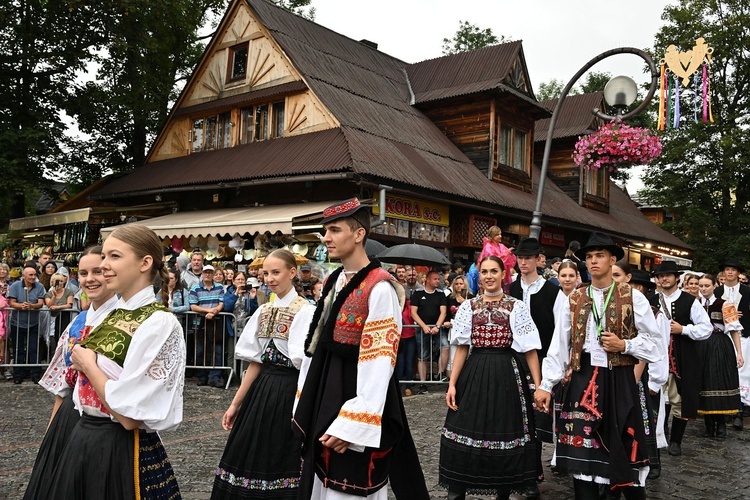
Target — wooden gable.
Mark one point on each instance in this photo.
(518, 77)
(242, 66)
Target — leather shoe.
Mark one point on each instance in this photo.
(738, 423)
(721, 430)
(202, 383)
(17, 381)
(654, 472)
(531, 491)
(217, 384)
(675, 449)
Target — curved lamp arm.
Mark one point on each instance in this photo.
(536, 220)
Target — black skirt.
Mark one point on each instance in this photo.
(600, 429)
(51, 449)
(489, 443)
(99, 462)
(720, 385)
(262, 458)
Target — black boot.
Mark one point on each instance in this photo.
(710, 422)
(675, 439)
(634, 493)
(667, 410)
(721, 427)
(456, 495)
(585, 490)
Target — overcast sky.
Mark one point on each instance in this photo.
(559, 36)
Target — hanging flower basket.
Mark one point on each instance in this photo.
(616, 145)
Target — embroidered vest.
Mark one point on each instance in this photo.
(351, 318)
(275, 322)
(618, 319)
(112, 337)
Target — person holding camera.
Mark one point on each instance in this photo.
(59, 296)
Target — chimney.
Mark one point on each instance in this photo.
(370, 44)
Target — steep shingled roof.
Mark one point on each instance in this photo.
(575, 117)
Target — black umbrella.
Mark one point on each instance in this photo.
(416, 255)
(373, 248)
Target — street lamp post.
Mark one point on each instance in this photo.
(620, 95)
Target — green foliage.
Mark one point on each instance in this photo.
(702, 175)
(43, 44)
(470, 37)
(551, 90)
(298, 7)
(150, 47)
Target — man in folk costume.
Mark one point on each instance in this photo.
(689, 323)
(348, 409)
(603, 331)
(739, 295)
(543, 298)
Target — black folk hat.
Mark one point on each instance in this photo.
(641, 277)
(528, 247)
(732, 263)
(667, 267)
(598, 241)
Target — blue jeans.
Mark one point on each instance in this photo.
(209, 342)
(407, 350)
(25, 350)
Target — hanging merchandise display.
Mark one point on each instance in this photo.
(677, 68)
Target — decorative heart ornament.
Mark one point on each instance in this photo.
(685, 64)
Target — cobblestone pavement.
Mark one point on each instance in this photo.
(707, 469)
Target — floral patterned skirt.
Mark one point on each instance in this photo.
(262, 455)
(489, 443)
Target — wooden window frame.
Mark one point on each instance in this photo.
(230, 61)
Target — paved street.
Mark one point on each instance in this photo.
(707, 469)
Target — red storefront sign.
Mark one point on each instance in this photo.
(553, 237)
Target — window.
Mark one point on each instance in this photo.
(512, 147)
(212, 132)
(197, 135)
(237, 69)
(225, 130)
(261, 122)
(278, 119)
(596, 182)
(246, 132)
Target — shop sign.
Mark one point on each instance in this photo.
(553, 237)
(404, 208)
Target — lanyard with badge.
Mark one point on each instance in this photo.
(598, 354)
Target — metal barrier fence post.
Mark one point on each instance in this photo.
(209, 346)
(427, 342)
(31, 339)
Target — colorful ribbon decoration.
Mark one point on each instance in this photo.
(676, 69)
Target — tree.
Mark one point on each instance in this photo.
(43, 44)
(298, 7)
(470, 37)
(551, 90)
(702, 174)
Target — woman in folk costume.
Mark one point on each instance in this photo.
(349, 411)
(720, 386)
(59, 379)
(488, 444)
(648, 389)
(262, 456)
(493, 245)
(129, 386)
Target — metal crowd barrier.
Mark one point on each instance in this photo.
(209, 346)
(433, 360)
(31, 338)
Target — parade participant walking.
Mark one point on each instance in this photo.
(131, 374)
(605, 329)
(262, 455)
(689, 323)
(543, 298)
(494, 455)
(720, 386)
(739, 295)
(567, 275)
(59, 379)
(349, 413)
